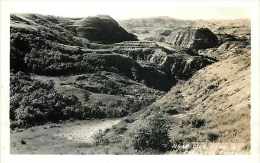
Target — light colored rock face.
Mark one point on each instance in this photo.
(192, 38)
(102, 29)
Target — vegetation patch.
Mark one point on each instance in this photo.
(197, 123)
(152, 134)
(99, 138)
(33, 102)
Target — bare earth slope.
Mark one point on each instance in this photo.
(220, 95)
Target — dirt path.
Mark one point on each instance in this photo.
(67, 138)
(85, 132)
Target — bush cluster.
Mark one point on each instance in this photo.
(121, 109)
(153, 134)
(100, 139)
(33, 102)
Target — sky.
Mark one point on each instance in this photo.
(125, 9)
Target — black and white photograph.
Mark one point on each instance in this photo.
(128, 78)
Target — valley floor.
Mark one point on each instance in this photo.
(75, 137)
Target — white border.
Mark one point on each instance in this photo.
(6, 9)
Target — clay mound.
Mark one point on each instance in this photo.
(193, 38)
(103, 29)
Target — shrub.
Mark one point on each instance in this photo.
(153, 134)
(197, 123)
(99, 138)
(212, 136)
(33, 102)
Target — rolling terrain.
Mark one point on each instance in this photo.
(141, 86)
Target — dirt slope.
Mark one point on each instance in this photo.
(220, 95)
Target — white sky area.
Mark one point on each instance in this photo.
(125, 9)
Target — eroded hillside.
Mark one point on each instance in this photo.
(193, 80)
